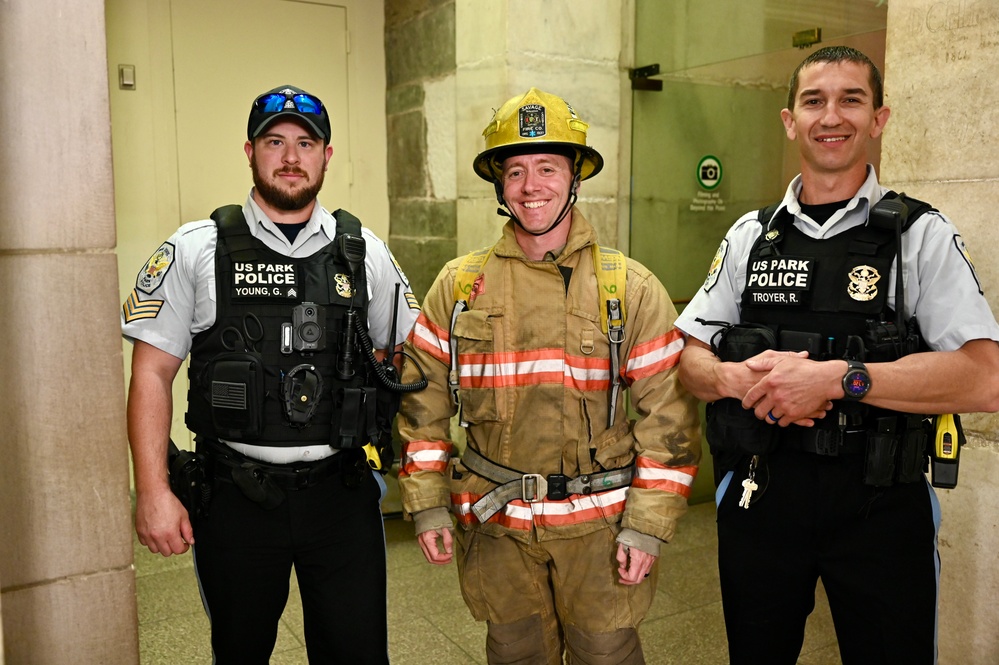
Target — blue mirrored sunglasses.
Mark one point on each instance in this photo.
(275, 101)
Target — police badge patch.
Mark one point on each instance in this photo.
(716, 265)
(532, 121)
(157, 267)
(343, 287)
(863, 280)
(961, 247)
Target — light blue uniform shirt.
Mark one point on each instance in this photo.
(941, 287)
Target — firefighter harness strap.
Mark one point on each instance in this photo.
(533, 487)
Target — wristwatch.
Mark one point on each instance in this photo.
(856, 381)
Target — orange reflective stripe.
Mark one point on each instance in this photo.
(431, 338)
(525, 368)
(656, 355)
(650, 474)
(424, 456)
(522, 516)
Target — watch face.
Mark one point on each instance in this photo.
(856, 384)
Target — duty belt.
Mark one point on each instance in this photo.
(533, 487)
(827, 442)
(298, 475)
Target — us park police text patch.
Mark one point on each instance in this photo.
(265, 280)
(781, 280)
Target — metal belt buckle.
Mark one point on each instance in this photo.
(558, 489)
(533, 487)
(301, 477)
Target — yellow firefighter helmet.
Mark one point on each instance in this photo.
(536, 122)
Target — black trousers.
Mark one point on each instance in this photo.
(874, 549)
(334, 538)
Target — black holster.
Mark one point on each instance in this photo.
(189, 479)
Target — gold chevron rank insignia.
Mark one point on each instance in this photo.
(135, 309)
(412, 301)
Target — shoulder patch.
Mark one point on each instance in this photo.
(157, 267)
(398, 269)
(716, 265)
(963, 249)
(411, 300)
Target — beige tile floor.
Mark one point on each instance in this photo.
(428, 621)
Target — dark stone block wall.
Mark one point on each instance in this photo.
(419, 47)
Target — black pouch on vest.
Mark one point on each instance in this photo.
(236, 382)
(351, 408)
(730, 427)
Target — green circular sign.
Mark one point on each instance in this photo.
(709, 172)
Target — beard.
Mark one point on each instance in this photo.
(284, 199)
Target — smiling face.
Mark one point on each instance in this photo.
(289, 165)
(834, 119)
(536, 189)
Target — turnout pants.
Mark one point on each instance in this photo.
(812, 516)
(333, 537)
(540, 599)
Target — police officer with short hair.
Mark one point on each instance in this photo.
(280, 305)
(818, 368)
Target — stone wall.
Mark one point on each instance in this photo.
(940, 66)
(450, 63)
(68, 587)
(420, 109)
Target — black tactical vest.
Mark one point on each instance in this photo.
(828, 297)
(283, 365)
(830, 287)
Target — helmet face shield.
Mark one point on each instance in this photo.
(536, 122)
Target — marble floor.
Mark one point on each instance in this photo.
(428, 621)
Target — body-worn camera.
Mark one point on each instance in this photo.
(308, 329)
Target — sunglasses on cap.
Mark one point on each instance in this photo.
(273, 102)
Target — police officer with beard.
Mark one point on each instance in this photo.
(280, 305)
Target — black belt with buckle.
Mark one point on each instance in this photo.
(827, 442)
(294, 476)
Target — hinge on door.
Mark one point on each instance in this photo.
(640, 78)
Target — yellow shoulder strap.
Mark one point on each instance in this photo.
(609, 264)
(468, 270)
(612, 274)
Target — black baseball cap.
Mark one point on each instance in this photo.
(287, 100)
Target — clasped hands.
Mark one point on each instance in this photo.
(786, 388)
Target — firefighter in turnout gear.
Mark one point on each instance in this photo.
(282, 307)
(826, 329)
(561, 501)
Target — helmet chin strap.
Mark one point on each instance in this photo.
(505, 211)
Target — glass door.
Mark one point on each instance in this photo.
(709, 145)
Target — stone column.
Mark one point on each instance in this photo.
(939, 146)
(68, 588)
(420, 109)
